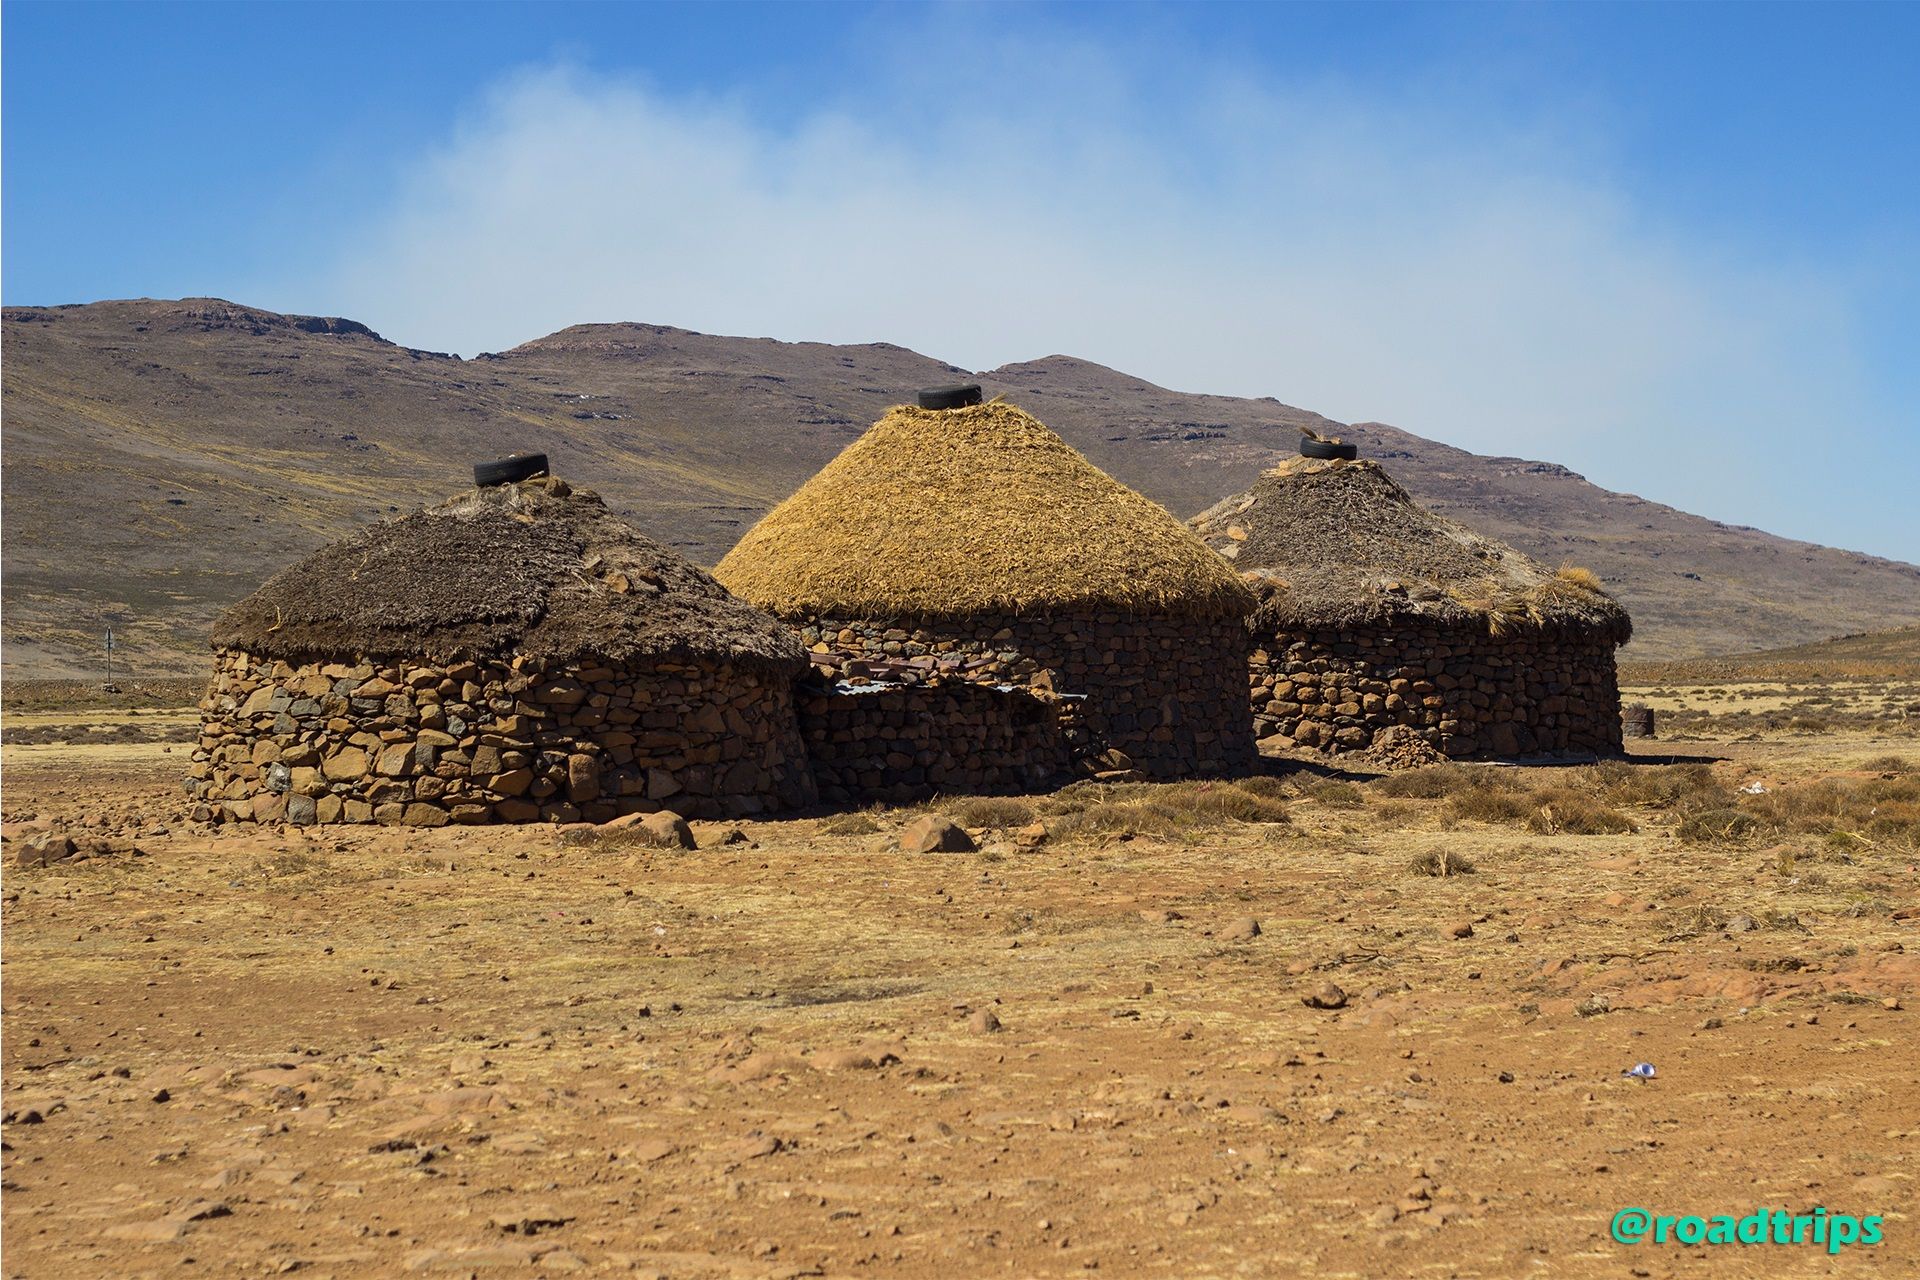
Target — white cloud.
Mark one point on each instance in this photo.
(1484, 285)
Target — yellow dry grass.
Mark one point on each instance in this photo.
(965, 511)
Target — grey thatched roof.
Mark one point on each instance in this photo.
(533, 568)
(1341, 544)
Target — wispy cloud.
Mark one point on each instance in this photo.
(1476, 281)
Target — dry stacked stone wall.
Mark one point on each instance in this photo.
(909, 742)
(1167, 692)
(424, 745)
(1538, 692)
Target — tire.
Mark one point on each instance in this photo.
(954, 397)
(1328, 449)
(510, 470)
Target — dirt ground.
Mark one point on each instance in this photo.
(368, 1052)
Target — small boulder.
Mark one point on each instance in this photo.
(983, 1022)
(935, 833)
(1460, 929)
(44, 849)
(1325, 996)
(1245, 929)
(667, 829)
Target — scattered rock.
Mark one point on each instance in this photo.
(1244, 929)
(1462, 929)
(754, 1146)
(935, 833)
(529, 1222)
(983, 1022)
(44, 849)
(860, 1059)
(666, 829)
(652, 1150)
(1326, 996)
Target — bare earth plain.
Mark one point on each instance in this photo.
(374, 1052)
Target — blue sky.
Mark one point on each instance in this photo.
(1674, 247)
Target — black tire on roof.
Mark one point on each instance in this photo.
(510, 470)
(958, 396)
(1328, 449)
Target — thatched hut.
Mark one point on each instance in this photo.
(1374, 612)
(514, 655)
(976, 538)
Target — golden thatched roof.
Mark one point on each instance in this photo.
(959, 512)
(1341, 544)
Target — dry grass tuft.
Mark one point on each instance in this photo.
(1485, 804)
(989, 811)
(1443, 862)
(850, 824)
(1435, 782)
(1146, 808)
(1718, 826)
(1336, 794)
(1573, 575)
(1566, 811)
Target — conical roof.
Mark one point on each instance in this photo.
(534, 568)
(1334, 544)
(957, 512)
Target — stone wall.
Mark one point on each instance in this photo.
(1167, 692)
(422, 745)
(953, 738)
(1466, 694)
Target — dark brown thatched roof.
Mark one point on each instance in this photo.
(533, 569)
(959, 512)
(1340, 544)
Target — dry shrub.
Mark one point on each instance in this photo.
(1270, 788)
(1684, 788)
(1881, 812)
(1565, 811)
(1336, 794)
(1442, 862)
(1397, 813)
(1718, 826)
(1116, 818)
(1888, 764)
(1809, 724)
(850, 824)
(1236, 804)
(1484, 804)
(1435, 782)
(1146, 808)
(990, 811)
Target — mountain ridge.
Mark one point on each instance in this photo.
(165, 456)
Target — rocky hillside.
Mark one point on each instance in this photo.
(162, 458)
